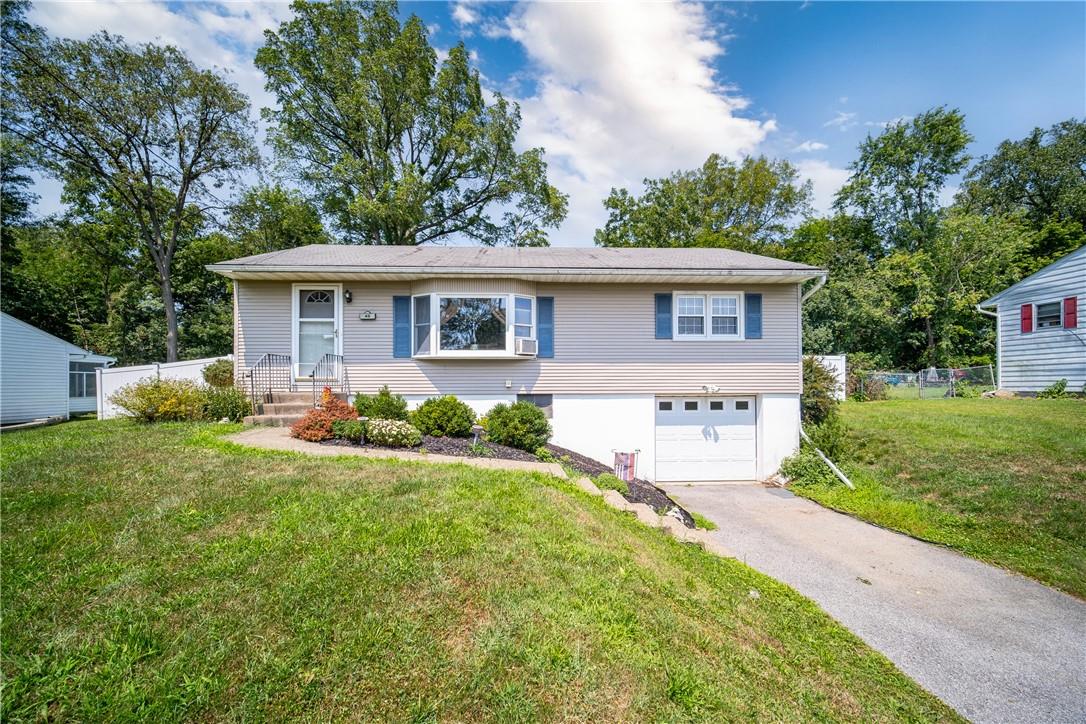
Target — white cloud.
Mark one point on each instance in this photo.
(826, 180)
(624, 92)
(810, 146)
(843, 120)
(887, 124)
(464, 15)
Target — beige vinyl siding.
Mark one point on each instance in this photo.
(604, 342)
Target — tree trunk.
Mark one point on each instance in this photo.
(928, 329)
(166, 285)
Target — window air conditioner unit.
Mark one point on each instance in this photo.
(526, 347)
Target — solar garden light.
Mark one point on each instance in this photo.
(362, 435)
(478, 430)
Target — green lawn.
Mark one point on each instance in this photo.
(1001, 480)
(160, 573)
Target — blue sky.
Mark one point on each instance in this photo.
(618, 92)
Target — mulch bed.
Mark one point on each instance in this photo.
(640, 491)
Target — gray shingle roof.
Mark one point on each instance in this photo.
(460, 257)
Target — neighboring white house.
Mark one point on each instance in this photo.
(692, 357)
(1040, 335)
(43, 376)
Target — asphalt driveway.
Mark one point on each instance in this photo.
(994, 645)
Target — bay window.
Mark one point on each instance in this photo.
(467, 325)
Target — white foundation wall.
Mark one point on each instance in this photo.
(599, 425)
(778, 431)
(480, 404)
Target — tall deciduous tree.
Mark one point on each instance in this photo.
(399, 149)
(1042, 175)
(270, 218)
(151, 130)
(746, 206)
(896, 181)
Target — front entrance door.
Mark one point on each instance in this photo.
(316, 325)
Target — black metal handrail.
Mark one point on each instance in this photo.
(329, 371)
(271, 372)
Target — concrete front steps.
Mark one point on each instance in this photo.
(285, 409)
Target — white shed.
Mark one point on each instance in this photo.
(1041, 327)
(42, 376)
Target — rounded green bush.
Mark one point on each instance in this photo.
(347, 429)
(444, 416)
(162, 400)
(521, 425)
(225, 403)
(382, 406)
(219, 373)
(608, 481)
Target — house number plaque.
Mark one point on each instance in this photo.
(367, 316)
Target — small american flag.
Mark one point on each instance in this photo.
(625, 465)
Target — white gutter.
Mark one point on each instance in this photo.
(982, 310)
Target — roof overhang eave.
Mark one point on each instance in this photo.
(244, 271)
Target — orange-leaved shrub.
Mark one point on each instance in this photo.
(316, 424)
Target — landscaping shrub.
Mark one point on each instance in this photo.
(382, 406)
(392, 433)
(806, 468)
(1057, 390)
(966, 390)
(219, 373)
(441, 416)
(608, 481)
(315, 425)
(856, 388)
(336, 408)
(521, 425)
(819, 385)
(347, 429)
(225, 402)
(158, 400)
(544, 455)
(831, 437)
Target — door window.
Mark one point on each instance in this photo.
(316, 327)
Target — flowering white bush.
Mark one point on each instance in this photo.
(392, 433)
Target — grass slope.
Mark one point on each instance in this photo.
(160, 573)
(1000, 480)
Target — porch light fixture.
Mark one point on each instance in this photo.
(347, 296)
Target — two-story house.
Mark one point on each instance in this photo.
(692, 357)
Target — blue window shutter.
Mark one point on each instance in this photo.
(663, 316)
(401, 326)
(752, 325)
(544, 310)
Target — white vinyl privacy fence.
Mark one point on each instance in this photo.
(835, 363)
(113, 379)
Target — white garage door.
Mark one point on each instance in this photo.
(705, 438)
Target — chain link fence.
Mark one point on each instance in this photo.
(927, 384)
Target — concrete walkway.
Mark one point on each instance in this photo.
(994, 645)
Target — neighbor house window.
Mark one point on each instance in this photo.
(81, 379)
(691, 316)
(473, 323)
(1049, 315)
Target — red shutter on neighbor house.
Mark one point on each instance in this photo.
(1027, 317)
(1070, 312)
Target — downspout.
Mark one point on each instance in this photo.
(998, 382)
(821, 281)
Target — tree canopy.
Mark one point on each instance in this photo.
(140, 127)
(399, 148)
(747, 205)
